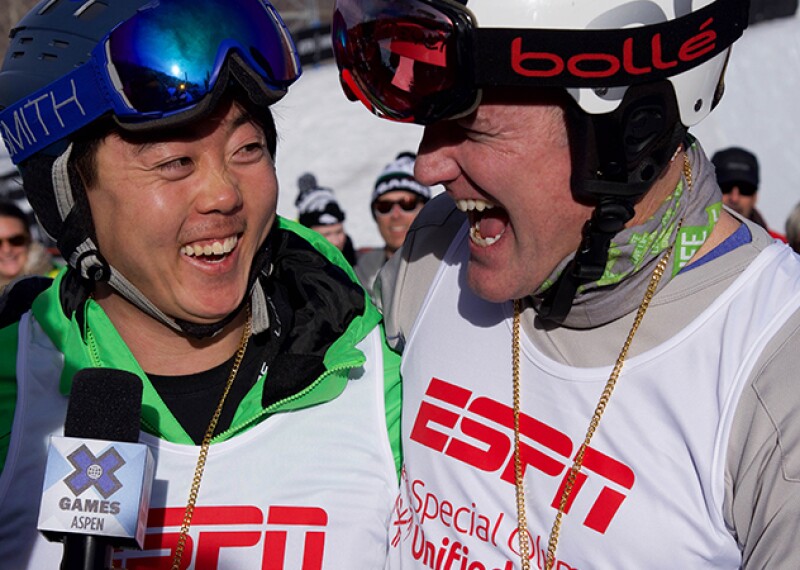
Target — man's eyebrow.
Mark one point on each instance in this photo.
(242, 118)
(141, 148)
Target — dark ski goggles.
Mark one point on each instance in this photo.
(422, 61)
(162, 61)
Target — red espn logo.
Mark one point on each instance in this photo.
(217, 528)
(551, 455)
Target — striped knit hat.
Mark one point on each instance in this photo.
(399, 175)
(316, 206)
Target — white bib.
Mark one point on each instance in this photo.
(650, 493)
(309, 489)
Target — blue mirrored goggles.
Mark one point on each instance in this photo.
(162, 61)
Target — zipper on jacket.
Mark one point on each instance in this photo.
(273, 407)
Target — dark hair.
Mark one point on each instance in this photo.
(84, 149)
(11, 210)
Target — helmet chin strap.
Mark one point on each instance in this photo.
(93, 267)
(260, 315)
(608, 219)
(616, 158)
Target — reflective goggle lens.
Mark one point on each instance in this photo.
(168, 57)
(401, 58)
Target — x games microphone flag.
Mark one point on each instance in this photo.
(98, 479)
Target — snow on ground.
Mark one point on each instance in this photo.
(340, 142)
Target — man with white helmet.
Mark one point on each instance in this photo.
(599, 361)
(146, 143)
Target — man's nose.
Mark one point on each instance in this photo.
(220, 193)
(435, 162)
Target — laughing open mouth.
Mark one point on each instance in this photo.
(487, 221)
(212, 250)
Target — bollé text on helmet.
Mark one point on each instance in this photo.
(594, 65)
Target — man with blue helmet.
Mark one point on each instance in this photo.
(599, 360)
(144, 135)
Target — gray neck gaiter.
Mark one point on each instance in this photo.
(635, 251)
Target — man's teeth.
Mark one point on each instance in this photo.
(214, 248)
(478, 239)
(478, 205)
(472, 205)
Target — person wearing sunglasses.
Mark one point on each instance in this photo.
(20, 254)
(396, 200)
(599, 360)
(144, 135)
(738, 178)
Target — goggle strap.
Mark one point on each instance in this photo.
(53, 112)
(605, 58)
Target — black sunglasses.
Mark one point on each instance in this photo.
(15, 241)
(406, 204)
(744, 188)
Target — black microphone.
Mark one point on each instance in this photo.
(98, 478)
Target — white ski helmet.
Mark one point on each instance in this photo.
(697, 89)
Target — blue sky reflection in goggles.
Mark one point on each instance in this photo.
(160, 62)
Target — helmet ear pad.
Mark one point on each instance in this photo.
(37, 181)
(621, 154)
(616, 158)
(57, 193)
(71, 228)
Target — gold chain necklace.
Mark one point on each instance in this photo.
(201, 460)
(522, 524)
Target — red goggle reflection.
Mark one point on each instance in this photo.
(401, 67)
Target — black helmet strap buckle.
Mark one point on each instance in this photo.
(589, 263)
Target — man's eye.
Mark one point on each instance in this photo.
(178, 163)
(251, 149)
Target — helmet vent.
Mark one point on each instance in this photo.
(61, 44)
(47, 6)
(698, 105)
(90, 9)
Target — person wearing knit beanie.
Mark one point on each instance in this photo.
(397, 198)
(399, 175)
(318, 209)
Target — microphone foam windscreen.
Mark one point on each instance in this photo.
(104, 403)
